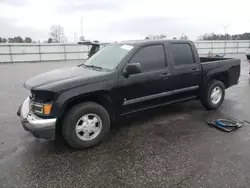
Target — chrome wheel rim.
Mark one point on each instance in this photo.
(88, 127)
(216, 95)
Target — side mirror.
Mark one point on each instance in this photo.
(132, 68)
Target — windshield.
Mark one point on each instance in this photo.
(109, 57)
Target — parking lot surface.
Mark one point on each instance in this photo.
(170, 146)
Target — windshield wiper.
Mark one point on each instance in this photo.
(93, 66)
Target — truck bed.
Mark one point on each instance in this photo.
(209, 59)
(225, 67)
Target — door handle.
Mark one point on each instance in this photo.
(194, 70)
(164, 75)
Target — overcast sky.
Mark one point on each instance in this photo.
(115, 20)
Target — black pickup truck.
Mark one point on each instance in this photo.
(120, 79)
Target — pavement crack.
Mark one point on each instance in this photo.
(181, 181)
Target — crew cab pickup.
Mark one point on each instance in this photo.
(121, 79)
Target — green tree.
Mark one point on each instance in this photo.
(49, 40)
(155, 37)
(28, 40)
(10, 40)
(57, 33)
(18, 40)
(213, 36)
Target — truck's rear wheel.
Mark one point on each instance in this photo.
(85, 125)
(213, 95)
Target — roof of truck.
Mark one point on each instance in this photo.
(148, 41)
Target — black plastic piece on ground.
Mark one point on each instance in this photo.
(225, 125)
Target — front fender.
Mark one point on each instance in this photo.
(79, 92)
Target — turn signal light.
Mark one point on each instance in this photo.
(47, 109)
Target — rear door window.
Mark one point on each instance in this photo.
(182, 54)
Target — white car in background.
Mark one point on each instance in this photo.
(248, 53)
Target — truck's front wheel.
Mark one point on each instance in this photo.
(85, 125)
(213, 95)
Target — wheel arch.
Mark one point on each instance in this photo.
(102, 98)
(223, 77)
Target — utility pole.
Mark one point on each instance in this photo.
(81, 26)
(82, 37)
(225, 27)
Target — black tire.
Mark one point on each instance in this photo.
(71, 119)
(206, 100)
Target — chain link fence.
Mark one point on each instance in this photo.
(222, 47)
(14, 53)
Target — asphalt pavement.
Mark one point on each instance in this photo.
(170, 146)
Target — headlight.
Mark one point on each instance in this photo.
(41, 109)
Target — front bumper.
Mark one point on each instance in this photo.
(39, 127)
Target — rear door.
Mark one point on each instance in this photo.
(186, 72)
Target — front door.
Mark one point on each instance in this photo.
(142, 90)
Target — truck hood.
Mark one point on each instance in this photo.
(65, 78)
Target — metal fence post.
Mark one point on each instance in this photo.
(212, 46)
(225, 47)
(237, 47)
(39, 51)
(197, 45)
(10, 54)
(64, 47)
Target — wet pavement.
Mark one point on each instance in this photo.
(167, 147)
